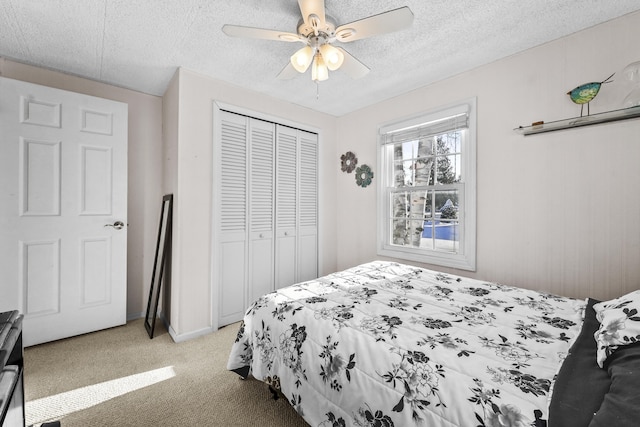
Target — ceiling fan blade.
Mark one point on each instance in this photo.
(310, 8)
(261, 33)
(288, 72)
(354, 68)
(386, 22)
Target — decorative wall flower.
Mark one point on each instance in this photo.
(364, 175)
(349, 162)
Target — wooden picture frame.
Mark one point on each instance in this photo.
(162, 247)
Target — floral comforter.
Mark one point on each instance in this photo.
(387, 344)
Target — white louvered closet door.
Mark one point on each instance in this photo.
(308, 216)
(231, 239)
(265, 210)
(261, 208)
(286, 206)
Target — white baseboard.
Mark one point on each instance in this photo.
(174, 335)
(189, 336)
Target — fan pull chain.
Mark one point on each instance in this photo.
(317, 90)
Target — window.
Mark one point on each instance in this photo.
(427, 200)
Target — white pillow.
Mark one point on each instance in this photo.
(619, 324)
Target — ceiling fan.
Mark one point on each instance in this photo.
(318, 31)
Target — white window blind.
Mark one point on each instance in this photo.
(426, 126)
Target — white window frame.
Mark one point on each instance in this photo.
(465, 258)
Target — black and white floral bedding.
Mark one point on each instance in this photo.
(387, 344)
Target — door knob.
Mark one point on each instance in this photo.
(118, 225)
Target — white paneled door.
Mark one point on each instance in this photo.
(63, 210)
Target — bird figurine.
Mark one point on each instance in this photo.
(583, 94)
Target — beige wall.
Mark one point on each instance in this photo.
(558, 211)
(144, 169)
(191, 302)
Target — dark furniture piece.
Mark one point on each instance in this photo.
(11, 368)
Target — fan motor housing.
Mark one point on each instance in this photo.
(327, 30)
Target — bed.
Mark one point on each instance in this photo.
(387, 344)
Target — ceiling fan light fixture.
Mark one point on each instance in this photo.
(302, 59)
(317, 31)
(319, 71)
(333, 57)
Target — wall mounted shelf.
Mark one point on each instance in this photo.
(593, 119)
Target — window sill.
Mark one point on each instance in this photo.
(435, 258)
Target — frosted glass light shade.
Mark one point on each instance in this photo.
(319, 71)
(333, 57)
(302, 59)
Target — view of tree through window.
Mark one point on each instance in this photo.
(427, 190)
(425, 201)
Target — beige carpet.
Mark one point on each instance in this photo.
(183, 384)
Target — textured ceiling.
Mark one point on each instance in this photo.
(138, 44)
